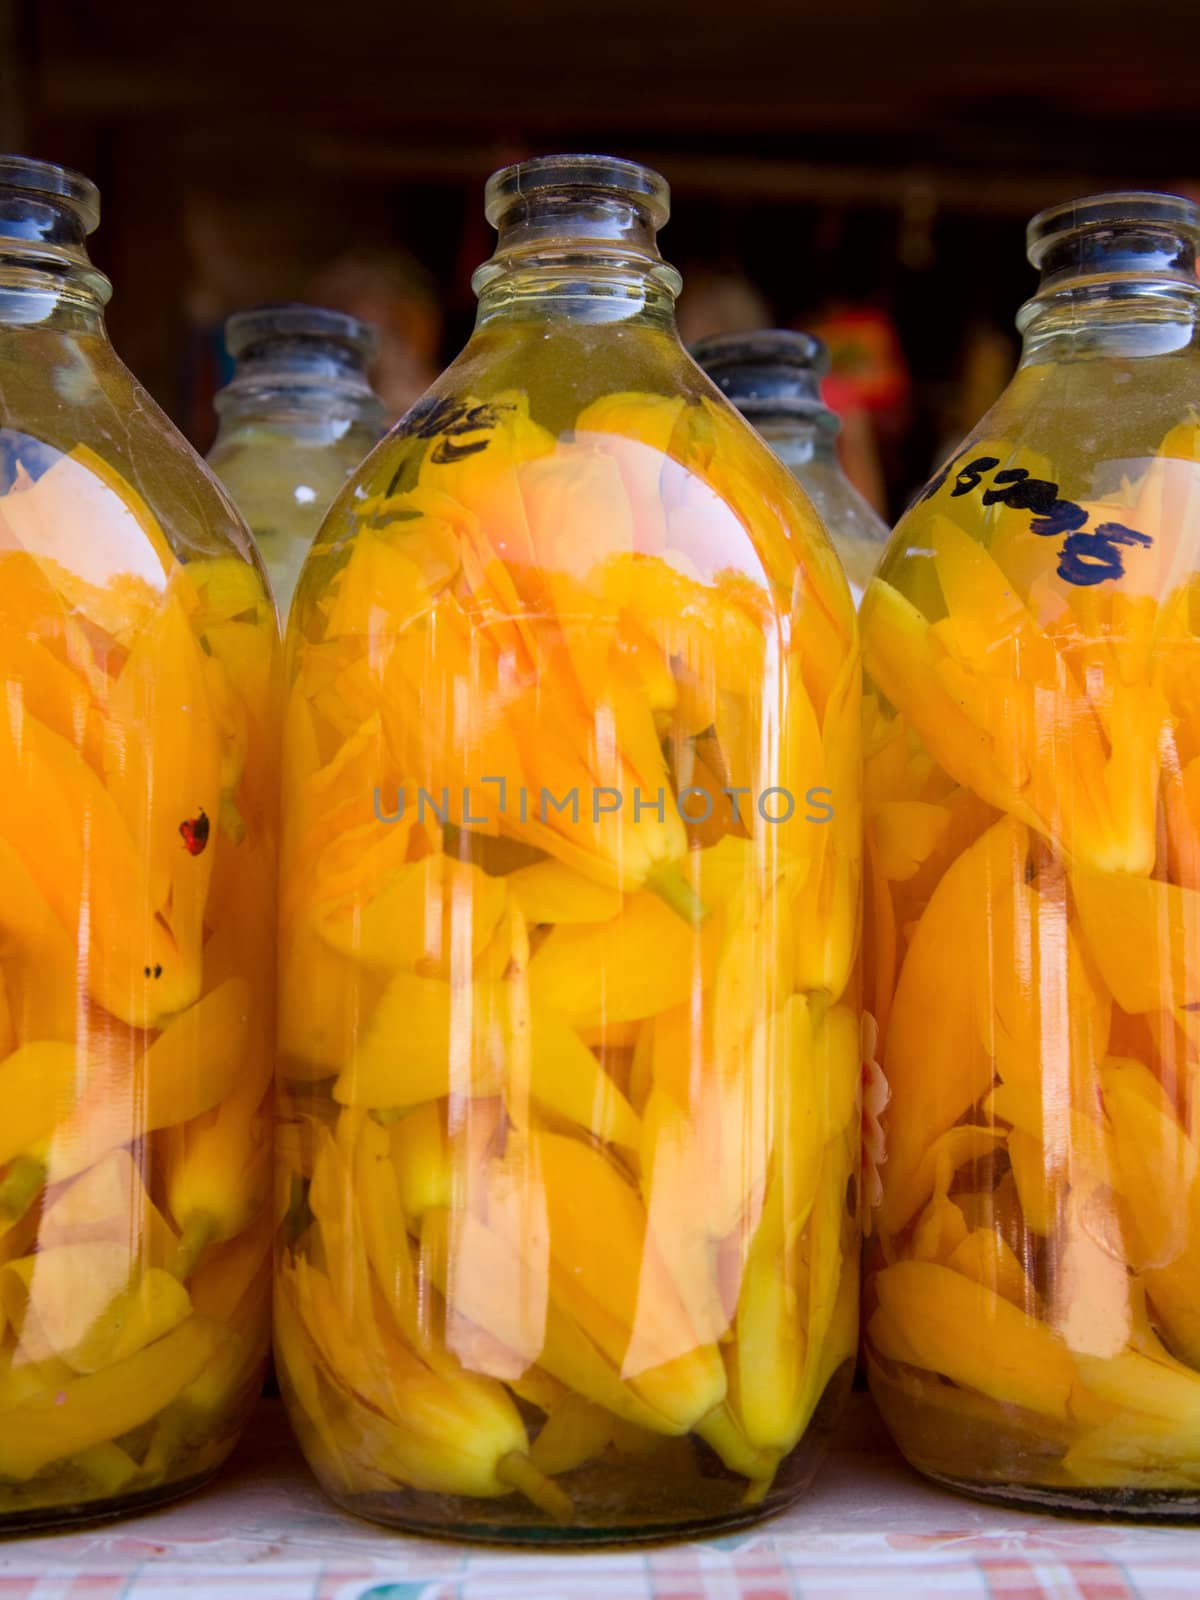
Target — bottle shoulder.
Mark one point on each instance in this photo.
(665, 473)
(75, 418)
(1086, 416)
(1083, 477)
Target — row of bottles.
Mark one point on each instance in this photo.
(570, 789)
(299, 416)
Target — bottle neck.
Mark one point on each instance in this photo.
(309, 411)
(576, 255)
(46, 278)
(300, 379)
(1104, 321)
(800, 441)
(1122, 287)
(31, 301)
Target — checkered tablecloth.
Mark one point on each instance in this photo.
(869, 1528)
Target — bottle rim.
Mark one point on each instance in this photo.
(297, 320)
(596, 174)
(48, 181)
(771, 373)
(789, 349)
(1142, 207)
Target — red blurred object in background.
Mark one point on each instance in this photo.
(867, 370)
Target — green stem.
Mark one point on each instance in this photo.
(108, 1466)
(519, 1472)
(672, 884)
(756, 1489)
(199, 1230)
(166, 1445)
(19, 1186)
(231, 821)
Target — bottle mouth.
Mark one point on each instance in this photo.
(40, 200)
(267, 330)
(771, 372)
(587, 223)
(1129, 235)
(574, 176)
(1125, 208)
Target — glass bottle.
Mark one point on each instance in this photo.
(1033, 852)
(137, 800)
(297, 418)
(774, 379)
(569, 1034)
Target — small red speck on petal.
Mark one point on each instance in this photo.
(194, 833)
(60, 1399)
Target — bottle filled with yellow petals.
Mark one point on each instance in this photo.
(137, 864)
(1033, 845)
(569, 1034)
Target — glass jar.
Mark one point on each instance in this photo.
(1033, 850)
(774, 379)
(297, 418)
(569, 1033)
(137, 799)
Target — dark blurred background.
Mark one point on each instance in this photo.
(865, 167)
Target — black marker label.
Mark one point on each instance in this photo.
(451, 423)
(1085, 557)
(461, 428)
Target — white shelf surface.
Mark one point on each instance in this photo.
(869, 1527)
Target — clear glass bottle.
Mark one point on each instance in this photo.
(569, 1032)
(1033, 911)
(137, 858)
(774, 379)
(297, 418)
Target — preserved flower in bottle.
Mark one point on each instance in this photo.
(569, 1034)
(1033, 850)
(137, 806)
